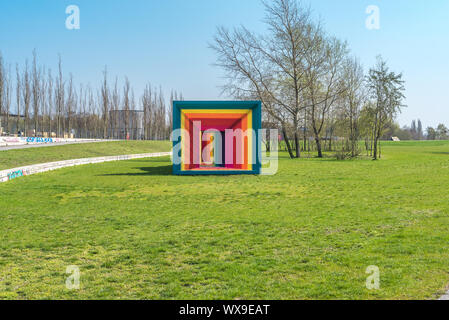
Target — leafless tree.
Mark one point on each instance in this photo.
(386, 89)
(36, 92)
(59, 96)
(126, 105)
(324, 80)
(83, 112)
(105, 102)
(50, 102)
(161, 116)
(26, 96)
(132, 124)
(91, 108)
(18, 95)
(115, 105)
(354, 99)
(147, 111)
(43, 85)
(173, 97)
(270, 68)
(8, 94)
(70, 103)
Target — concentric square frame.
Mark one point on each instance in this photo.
(244, 115)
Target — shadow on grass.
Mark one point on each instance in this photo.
(146, 171)
(440, 153)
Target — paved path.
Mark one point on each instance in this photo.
(10, 174)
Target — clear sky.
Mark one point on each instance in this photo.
(166, 42)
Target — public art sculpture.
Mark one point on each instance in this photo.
(216, 137)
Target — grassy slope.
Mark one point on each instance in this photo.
(309, 232)
(20, 157)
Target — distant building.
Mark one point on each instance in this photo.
(126, 123)
(12, 124)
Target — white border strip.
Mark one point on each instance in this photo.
(14, 173)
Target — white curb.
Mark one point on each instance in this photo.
(11, 174)
(445, 297)
(23, 141)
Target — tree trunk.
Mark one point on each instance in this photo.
(380, 151)
(105, 127)
(305, 130)
(318, 146)
(289, 148)
(317, 141)
(298, 150)
(375, 148)
(7, 120)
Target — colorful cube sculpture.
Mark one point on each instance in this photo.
(216, 137)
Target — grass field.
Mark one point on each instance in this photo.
(21, 157)
(309, 232)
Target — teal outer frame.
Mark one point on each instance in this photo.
(256, 107)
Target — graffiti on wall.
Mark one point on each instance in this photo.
(23, 140)
(16, 174)
(39, 140)
(10, 140)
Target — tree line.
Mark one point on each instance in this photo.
(416, 131)
(36, 102)
(441, 132)
(310, 86)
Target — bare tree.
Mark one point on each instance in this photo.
(70, 103)
(324, 81)
(8, 94)
(18, 96)
(50, 102)
(270, 68)
(147, 111)
(115, 102)
(419, 130)
(83, 112)
(354, 99)
(91, 108)
(36, 92)
(173, 97)
(105, 102)
(162, 120)
(26, 96)
(59, 96)
(386, 89)
(126, 104)
(43, 85)
(132, 117)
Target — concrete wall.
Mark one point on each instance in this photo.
(18, 141)
(14, 173)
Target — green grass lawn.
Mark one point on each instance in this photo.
(309, 232)
(21, 157)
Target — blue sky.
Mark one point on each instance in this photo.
(166, 42)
